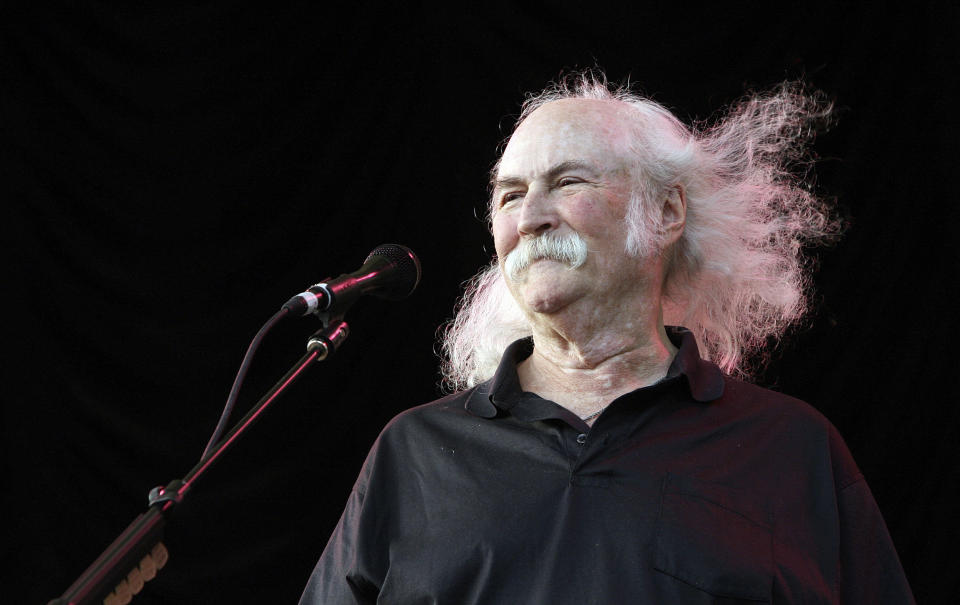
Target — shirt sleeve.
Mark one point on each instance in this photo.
(339, 576)
(870, 571)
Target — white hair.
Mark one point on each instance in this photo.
(568, 248)
(737, 277)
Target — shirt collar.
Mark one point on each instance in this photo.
(704, 379)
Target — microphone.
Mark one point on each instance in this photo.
(391, 271)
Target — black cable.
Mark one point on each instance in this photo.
(241, 375)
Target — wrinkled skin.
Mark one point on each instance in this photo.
(598, 329)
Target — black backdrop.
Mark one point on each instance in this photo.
(173, 174)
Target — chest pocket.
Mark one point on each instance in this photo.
(715, 539)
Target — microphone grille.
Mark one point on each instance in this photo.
(407, 273)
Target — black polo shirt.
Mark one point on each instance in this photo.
(698, 489)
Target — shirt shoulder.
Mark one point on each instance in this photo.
(450, 409)
(746, 397)
(410, 434)
(786, 418)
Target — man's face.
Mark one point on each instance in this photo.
(564, 171)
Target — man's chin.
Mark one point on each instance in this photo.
(546, 303)
(545, 291)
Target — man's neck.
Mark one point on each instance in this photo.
(586, 373)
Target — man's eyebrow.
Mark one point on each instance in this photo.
(556, 170)
(497, 182)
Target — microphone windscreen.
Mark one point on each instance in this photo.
(405, 275)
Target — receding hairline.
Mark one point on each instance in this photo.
(623, 110)
(616, 109)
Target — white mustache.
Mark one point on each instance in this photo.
(569, 249)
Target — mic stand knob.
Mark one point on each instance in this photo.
(328, 339)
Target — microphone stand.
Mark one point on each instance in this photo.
(137, 553)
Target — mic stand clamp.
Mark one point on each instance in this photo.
(170, 493)
(328, 339)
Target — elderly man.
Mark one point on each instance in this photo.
(597, 455)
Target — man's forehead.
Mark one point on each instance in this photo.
(589, 132)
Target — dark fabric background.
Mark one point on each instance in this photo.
(171, 175)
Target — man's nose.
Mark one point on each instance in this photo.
(538, 214)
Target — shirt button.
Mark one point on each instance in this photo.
(582, 438)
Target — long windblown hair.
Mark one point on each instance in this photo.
(738, 276)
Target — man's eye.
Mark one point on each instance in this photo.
(510, 197)
(568, 180)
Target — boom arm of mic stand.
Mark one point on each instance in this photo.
(116, 574)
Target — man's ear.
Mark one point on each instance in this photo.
(674, 213)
